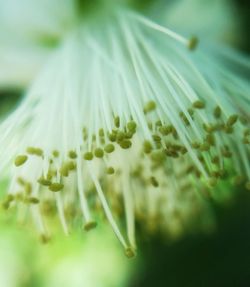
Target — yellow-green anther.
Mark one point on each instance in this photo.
(131, 126)
(101, 132)
(55, 153)
(34, 151)
(28, 188)
(44, 238)
(71, 165)
(72, 154)
(44, 181)
(199, 105)
(166, 130)
(112, 137)
(110, 170)
(10, 197)
(109, 148)
(153, 181)
(157, 156)
(149, 106)
(147, 147)
(120, 136)
(232, 120)
(129, 252)
(20, 160)
(33, 200)
(205, 146)
(90, 225)
(99, 152)
(117, 122)
(56, 187)
(192, 43)
(88, 156)
(217, 112)
(156, 138)
(21, 181)
(125, 144)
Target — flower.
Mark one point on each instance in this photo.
(126, 117)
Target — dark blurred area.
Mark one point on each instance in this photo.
(243, 7)
(220, 259)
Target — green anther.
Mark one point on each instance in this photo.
(72, 154)
(195, 145)
(120, 136)
(147, 147)
(210, 139)
(192, 43)
(166, 130)
(71, 165)
(191, 112)
(55, 153)
(215, 160)
(28, 188)
(64, 170)
(101, 132)
(226, 153)
(156, 138)
(56, 187)
(90, 225)
(33, 200)
(125, 144)
(150, 126)
(10, 197)
(117, 121)
(99, 152)
(20, 160)
(209, 128)
(232, 120)
(228, 129)
(5, 205)
(109, 148)
(129, 252)
(171, 153)
(131, 126)
(157, 156)
(19, 196)
(150, 106)
(51, 173)
(129, 135)
(153, 181)
(199, 105)
(44, 181)
(34, 151)
(44, 238)
(110, 170)
(217, 112)
(112, 137)
(88, 156)
(158, 123)
(21, 181)
(205, 146)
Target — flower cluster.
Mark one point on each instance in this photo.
(127, 119)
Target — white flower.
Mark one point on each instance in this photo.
(126, 117)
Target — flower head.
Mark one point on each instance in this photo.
(126, 118)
